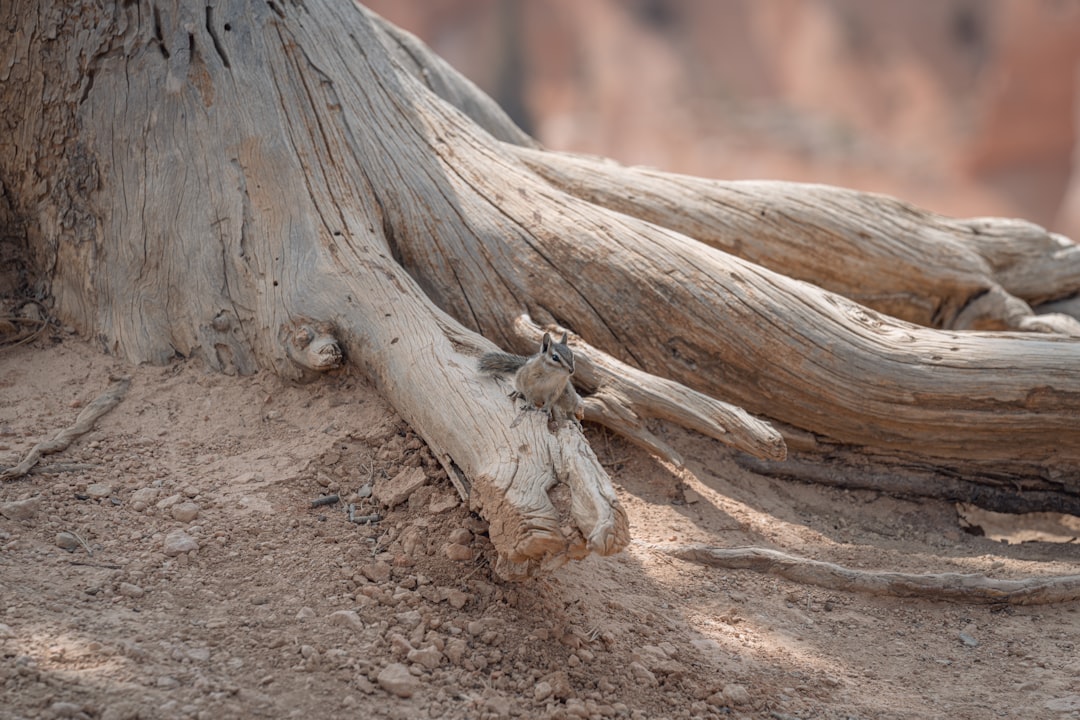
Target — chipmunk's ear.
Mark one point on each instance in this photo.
(563, 341)
(545, 343)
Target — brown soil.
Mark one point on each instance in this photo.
(251, 624)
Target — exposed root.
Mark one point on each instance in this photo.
(972, 588)
(83, 424)
(10, 337)
(622, 397)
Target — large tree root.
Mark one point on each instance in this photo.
(622, 397)
(83, 424)
(937, 271)
(971, 588)
(991, 487)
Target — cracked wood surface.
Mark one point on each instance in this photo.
(291, 166)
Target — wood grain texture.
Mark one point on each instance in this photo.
(879, 251)
(194, 180)
(962, 587)
(244, 189)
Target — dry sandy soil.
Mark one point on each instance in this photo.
(285, 610)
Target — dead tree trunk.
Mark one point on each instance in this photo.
(261, 182)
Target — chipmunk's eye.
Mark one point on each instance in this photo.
(556, 358)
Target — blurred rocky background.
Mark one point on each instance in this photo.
(967, 107)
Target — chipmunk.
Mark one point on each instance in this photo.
(541, 380)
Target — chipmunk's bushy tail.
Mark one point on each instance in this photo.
(500, 364)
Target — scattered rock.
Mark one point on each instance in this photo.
(397, 489)
(6, 631)
(461, 536)
(129, 590)
(185, 511)
(575, 708)
(968, 639)
(658, 659)
(179, 542)
(455, 650)
(397, 680)
(198, 654)
(20, 509)
(66, 541)
(305, 613)
(1065, 704)
(560, 684)
(141, 498)
(399, 643)
(64, 710)
(120, 711)
(691, 496)
(97, 491)
(443, 503)
(409, 619)
(346, 618)
(429, 657)
(458, 553)
(542, 691)
(477, 627)
(166, 503)
(737, 695)
(376, 572)
(457, 598)
(642, 674)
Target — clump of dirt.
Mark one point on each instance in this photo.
(177, 567)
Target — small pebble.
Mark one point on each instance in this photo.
(130, 590)
(346, 618)
(377, 572)
(397, 680)
(179, 542)
(65, 710)
(305, 613)
(429, 657)
(459, 553)
(443, 503)
(968, 639)
(396, 490)
(66, 541)
(145, 495)
(185, 511)
(643, 674)
(20, 509)
(461, 536)
(98, 491)
(457, 598)
(736, 694)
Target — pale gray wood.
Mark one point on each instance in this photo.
(975, 273)
(965, 587)
(622, 397)
(210, 190)
(191, 189)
